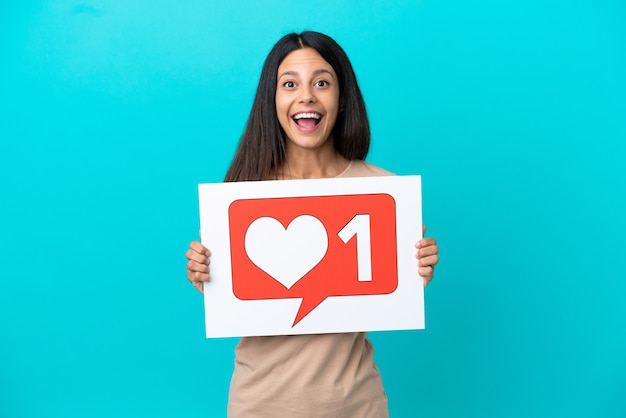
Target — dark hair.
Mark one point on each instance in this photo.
(263, 145)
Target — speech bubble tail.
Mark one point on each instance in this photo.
(307, 305)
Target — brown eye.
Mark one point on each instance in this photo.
(322, 83)
(289, 84)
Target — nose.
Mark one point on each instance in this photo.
(307, 95)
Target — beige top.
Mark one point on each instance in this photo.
(320, 375)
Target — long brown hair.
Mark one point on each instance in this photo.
(263, 146)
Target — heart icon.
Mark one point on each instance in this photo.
(286, 254)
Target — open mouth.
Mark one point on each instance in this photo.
(307, 119)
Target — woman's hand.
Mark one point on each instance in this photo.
(427, 257)
(198, 265)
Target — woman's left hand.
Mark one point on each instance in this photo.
(427, 257)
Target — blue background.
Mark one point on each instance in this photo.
(514, 112)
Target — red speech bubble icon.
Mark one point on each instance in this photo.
(313, 248)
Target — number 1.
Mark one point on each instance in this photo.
(360, 226)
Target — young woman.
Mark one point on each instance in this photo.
(308, 120)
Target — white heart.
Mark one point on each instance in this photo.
(286, 254)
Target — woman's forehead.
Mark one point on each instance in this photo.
(304, 60)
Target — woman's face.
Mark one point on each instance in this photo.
(307, 99)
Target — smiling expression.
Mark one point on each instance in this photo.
(307, 99)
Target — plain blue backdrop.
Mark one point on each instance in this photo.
(514, 113)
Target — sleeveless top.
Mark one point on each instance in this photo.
(317, 375)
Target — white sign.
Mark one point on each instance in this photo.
(312, 256)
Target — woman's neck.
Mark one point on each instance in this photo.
(311, 164)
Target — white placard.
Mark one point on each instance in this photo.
(312, 256)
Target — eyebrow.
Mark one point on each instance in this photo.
(315, 73)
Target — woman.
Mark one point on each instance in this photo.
(308, 120)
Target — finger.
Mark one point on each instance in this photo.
(423, 229)
(425, 242)
(197, 257)
(426, 271)
(198, 276)
(426, 251)
(198, 279)
(430, 261)
(199, 248)
(199, 267)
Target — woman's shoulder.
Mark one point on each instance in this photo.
(360, 168)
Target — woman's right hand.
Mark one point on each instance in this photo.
(198, 265)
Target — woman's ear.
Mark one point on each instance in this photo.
(341, 105)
